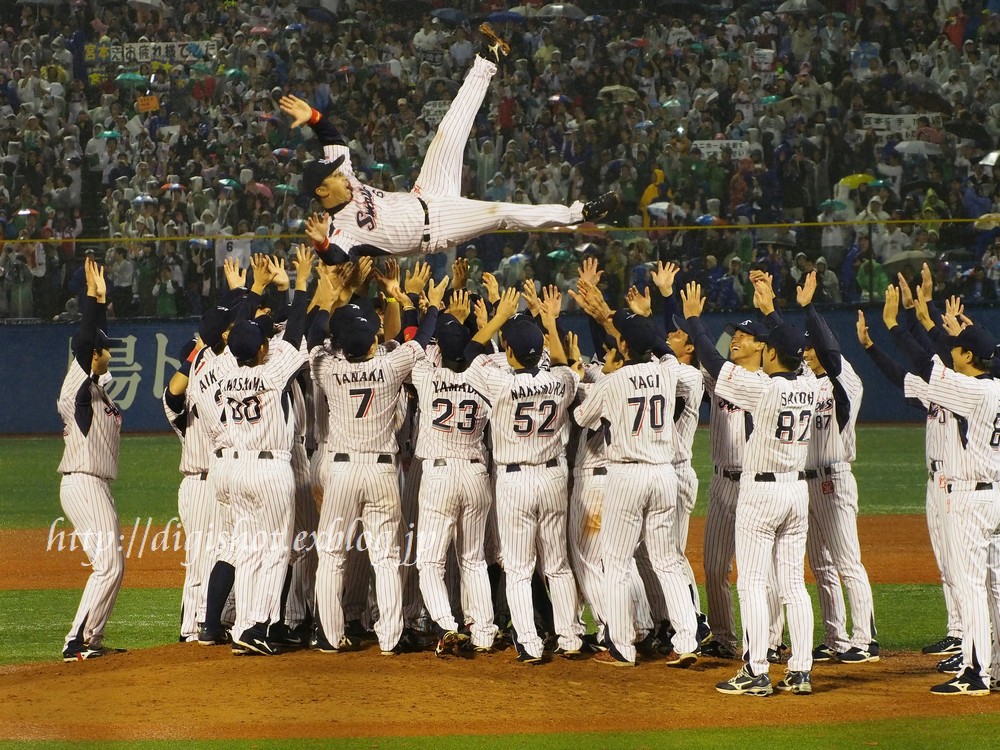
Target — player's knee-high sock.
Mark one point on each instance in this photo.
(543, 604)
(220, 583)
(286, 586)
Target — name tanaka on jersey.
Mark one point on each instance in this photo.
(346, 378)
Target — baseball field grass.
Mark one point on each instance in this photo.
(33, 618)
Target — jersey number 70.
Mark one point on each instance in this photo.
(786, 427)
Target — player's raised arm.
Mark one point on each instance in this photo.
(693, 303)
(820, 336)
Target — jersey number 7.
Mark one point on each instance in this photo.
(365, 394)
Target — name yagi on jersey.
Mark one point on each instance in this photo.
(346, 378)
(645, 381)
(798, 398)
(544, 389)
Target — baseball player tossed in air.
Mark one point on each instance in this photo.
(91, 433)
(528, 419)
(362, 391)
(360, 220)
(635, 408)
(833, 546)
(456, 491)
(260, 427)
(772, 512)
(968, 389)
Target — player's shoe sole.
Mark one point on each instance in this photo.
(496, 46)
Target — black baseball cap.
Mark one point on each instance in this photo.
(214, 323)
(102, 341)
(786, 339)
(637, 331)
(523, 336)
(754, 328)
(245, 339)
(357, 337)
(977, 340)
(314, 172)
(452, 337)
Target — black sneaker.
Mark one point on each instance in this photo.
(601, 206)
(704, 634)
(354, 630)
(257, 640)
(567, 653)
(947, 646)
(951, 665)
(405, 645)
(282, 635)
(796, 683)
(450, 643)
(211, 637)
(967, 683)
(591, 644)
(823, 653)
(774, 654)
(648, 647)
(496, 48)
(718, 650)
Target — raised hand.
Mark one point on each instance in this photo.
(262, 272)
(235, 278)
(364, 266)
(318, 227)
(890, 308)
(278, 273)
(531, 297)
(388, 279)
(905, 293)
(296, 108)
(459, 273)
(926, 282)
(482, 314)
(507, 305)
(435, 293)
(805, 293)
(920, 308)
(953, 306)
(492, 287)
(417, 279)
(590, 272)
(692, 301)
(640, 304)
(951, 324)
(591, 301)
(459, 305)
(664, 276)
(863, 337)
(551, 302)
(304, 260)
(763, 294)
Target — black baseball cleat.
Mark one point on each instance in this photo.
(284, 636)
(951, 664)
(77, 651)
(495, 46)
(648, 647)
(212, 637)
(356, 631)
(601, 206)
(704, 634)
(591, 644)
(947, 646)
(450, 643)
(256, 640)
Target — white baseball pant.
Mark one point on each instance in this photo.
(643, 506)
(303, 559)
(365, 487)
(972, 526)
(455, 499)
(833, 525)
(86, 500)
(720, 548)
(531, 515)
(586, 505)
(198, 512)
(263, 496)
(936, 505)
(409, 494)
(772, 520)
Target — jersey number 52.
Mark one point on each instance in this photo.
(786, 431)
(528, 415)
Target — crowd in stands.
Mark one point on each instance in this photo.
(712, 122)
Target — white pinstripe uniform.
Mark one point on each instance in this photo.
(410, 478)
(635, 405)
(730, 427)
(303, 558)
(362, 483)
(398, 222)
(455, 496)
(833, 547)
(529, 421)
(196, 503)
(973, 505)
(941, 432)
(260, 427)
(772, 517)
(91, 434)
(689, 381)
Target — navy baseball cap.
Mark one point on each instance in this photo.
(637, 331)
(314, 172)
(752, 327)
(786, 339)
(102, 341)
(357, 337)
(524, 337)
(245, 339)
(214, 323)
(977, 340)
(452, 337)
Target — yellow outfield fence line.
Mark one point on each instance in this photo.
(585, 230)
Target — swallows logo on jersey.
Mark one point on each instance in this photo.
(366, 218)
(825, 405)
(725, 405)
